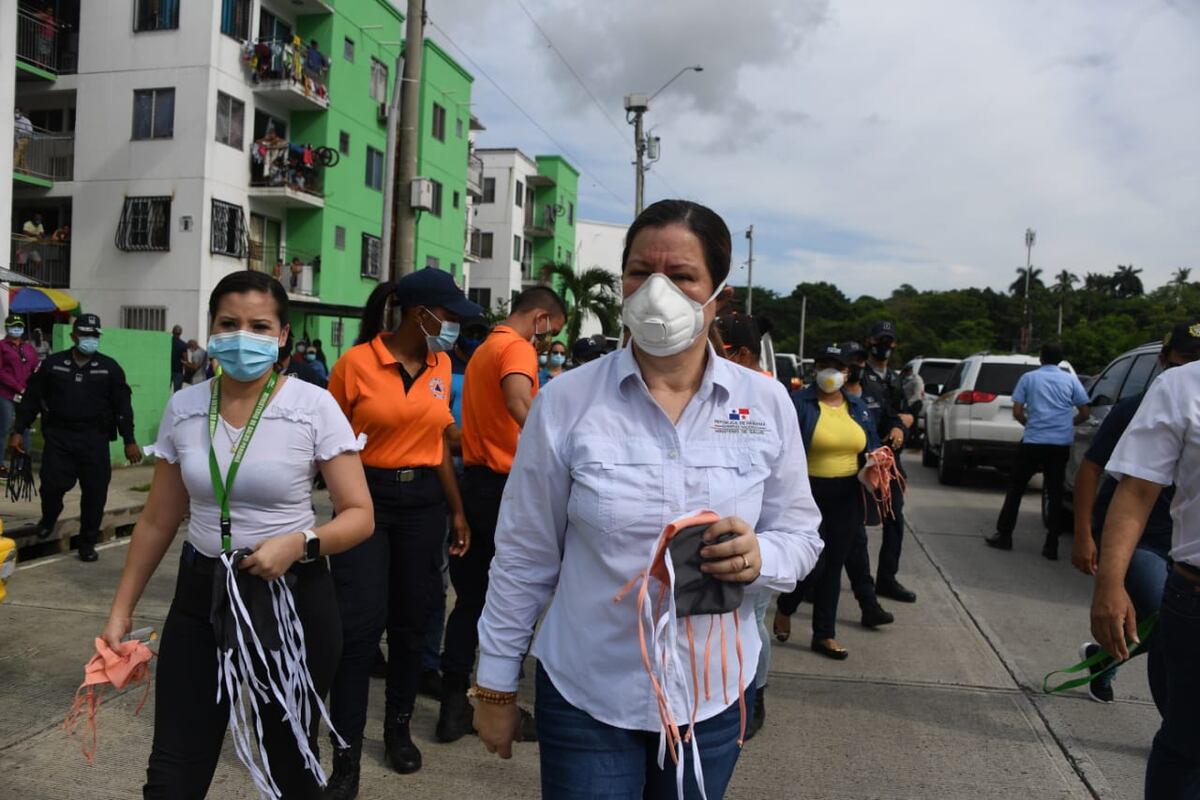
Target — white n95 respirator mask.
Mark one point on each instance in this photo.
(661, 318)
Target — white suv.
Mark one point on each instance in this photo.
(971, 422)
(922, 380)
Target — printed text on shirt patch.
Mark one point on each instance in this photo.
(438, 387)
(740, 420)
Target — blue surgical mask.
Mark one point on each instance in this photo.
(558, 359)
(88, 344)
(310, 356)
(16, 332)
(446, 337)
(245, 356)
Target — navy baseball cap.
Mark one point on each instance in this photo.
(588, 348)
(883, 328)
(87, 324)
(832, 352)
(434, 287)
(852, 349)
(1184, 337)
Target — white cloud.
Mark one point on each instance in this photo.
(875, 143)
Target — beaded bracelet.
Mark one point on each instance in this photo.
(492, 697)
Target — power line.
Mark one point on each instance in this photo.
(562, 148)
(621, 134)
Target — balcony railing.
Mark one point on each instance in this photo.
(539, 225)
(279, 63)
(475, 175)
(278, 259)
(50, 156)
(278, 163)
(43, 42)
(46, 261)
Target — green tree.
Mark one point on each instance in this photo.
(594, 292)
(1126, 282)
(1180, 280)
(1035, 281)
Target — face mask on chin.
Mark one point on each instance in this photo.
(662, 320)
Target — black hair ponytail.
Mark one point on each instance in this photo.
(375, 312)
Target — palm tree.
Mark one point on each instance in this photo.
(1063, 282)
(593, 292)
(1180, 279)
(1126, 282)
(1035, 281)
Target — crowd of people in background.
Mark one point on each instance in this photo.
(535, 475)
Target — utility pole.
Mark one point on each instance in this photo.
(635, 107)
(389, 178)
(803, 320)
(1030, 238)
(404, 258)
(750, 272)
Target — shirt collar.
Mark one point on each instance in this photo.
(386, 359)
(717, 372)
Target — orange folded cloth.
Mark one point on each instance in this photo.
(129, 665)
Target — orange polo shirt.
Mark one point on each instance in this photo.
(489, 436)
(404, 429)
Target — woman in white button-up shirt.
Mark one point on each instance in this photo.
(611, 453)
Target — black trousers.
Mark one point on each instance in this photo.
(1051, 461)
(389, 581)
(840, 501)
(858, 569)
(189, 725)
(893, 536)
(482, 492)
(71, 456)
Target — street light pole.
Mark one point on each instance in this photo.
(636, 106)
(1030, 238)
(750, 271)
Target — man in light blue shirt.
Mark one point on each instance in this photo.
(1049, 402)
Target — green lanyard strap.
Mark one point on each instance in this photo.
(1100, 657)
(221, 488)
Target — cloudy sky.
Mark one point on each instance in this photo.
(870, 143)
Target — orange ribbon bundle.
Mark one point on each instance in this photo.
(129, 665)
(879, 473)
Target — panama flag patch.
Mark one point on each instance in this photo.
(739, 413)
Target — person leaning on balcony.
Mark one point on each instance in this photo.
(297, 271)
(22, 134)
(34, 229)
(61, 235)
(394, 387)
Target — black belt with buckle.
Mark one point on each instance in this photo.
(1189, 573)
(403, 475)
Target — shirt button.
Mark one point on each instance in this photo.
(673, 454)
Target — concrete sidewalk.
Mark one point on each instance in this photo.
(922, 709)
(126, 495)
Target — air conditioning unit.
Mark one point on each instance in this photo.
(422, 194)
(381, 113)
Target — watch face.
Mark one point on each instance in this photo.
(312, 548)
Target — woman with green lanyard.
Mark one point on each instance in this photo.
(239, 453)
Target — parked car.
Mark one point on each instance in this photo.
(971, 423)
(790, 369)
(922, 379)
(1127, 375)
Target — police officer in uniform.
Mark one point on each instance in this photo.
(84, 402)
(880, 345)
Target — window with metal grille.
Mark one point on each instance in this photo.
(153, 113)
(235, 19)
(339, 237)
(155, 15)
(337, 331)
(144, 318)
(520, 194)
(231, 116)
(372, 255)
(145, 224)
(516, 248)
(439, 123)
(344, 143)
(481, 243)
(228, 230)
(379, 80)
(456, 199)
(481, 297)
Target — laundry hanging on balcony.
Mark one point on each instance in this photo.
(30, 300)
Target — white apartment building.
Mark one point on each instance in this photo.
(157, 168)
(598, 244)
(502, 252)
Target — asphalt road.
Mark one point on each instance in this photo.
(942, 704)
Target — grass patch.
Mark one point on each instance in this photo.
(145, 487)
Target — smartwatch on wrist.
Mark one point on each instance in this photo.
(312, 547)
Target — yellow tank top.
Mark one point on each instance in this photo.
(836, 443)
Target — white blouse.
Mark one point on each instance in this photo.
(301, 427)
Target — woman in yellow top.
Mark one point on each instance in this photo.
(394, 387)
(837, 432)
